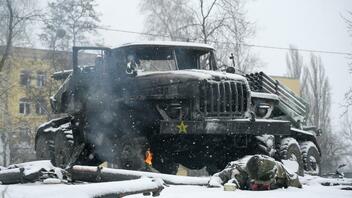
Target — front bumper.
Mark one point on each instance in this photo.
(226, 127)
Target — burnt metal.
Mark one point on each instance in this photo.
(147, 90)
(233, 127)
(223, 99)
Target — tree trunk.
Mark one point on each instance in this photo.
(9, 36)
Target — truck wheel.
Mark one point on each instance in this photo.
(164, 165)
(131, 153)
(63, 148)
(264, 144)
(311, 158)
(190, 160)
(212, 169)
(44, 147)
(290, 150)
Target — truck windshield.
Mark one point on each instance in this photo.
(170, 58)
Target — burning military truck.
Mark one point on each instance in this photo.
(171, 99)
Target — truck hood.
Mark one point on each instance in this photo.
(176, 84)
(180, 76)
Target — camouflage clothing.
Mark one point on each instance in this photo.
(256, 172)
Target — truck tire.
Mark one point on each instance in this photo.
(165, 165)
(191, 160)
(264, 144)
(64, 145)
(88, 158)
(311, 158)
(44, 147)
(130, 153)
(212, 169)
(290, 150)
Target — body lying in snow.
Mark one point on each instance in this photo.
(255, 172)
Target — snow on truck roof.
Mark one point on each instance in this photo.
(168, 44)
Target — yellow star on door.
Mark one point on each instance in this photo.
(182, 128)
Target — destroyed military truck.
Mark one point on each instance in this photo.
(171, 99)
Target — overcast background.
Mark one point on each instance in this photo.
(307, 24)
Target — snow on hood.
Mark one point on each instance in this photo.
(194, 73)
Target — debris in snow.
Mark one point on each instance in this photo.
(230, 187)
(267, 143)
(84, 190)
(215, 182)
(44, 171)
(95, 174)
(31, 172)
(291, 166)
(316, 180)
(51, 181)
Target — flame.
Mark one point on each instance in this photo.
(148, 157)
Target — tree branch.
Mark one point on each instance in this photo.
(9, 35)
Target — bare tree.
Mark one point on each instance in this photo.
(181, 20)
(234, 36)
(348, 95)
(294, 62)
(15, 17)
(209, 21)
(5, 129)
(318, 94)
(69, 22)
(315, 89)
(295, 67)
(348, 21)
(168, 19)
(222, 23)
(347, 130)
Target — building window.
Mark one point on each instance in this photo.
(25, 78)
(40, 107)
(41, 77)
(25, 106)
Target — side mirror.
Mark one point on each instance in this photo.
(131, 69)
(339, 172)
(319, 132)
(231, 70)
(341, 165)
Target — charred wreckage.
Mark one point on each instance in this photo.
(171, 99)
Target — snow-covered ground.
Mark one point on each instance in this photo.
(38, 190)
(311, 189)
(314, 191)
(54, 187)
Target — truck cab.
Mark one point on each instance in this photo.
(170, 98)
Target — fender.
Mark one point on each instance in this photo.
(305, 136)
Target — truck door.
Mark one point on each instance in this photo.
(90, 70)
(90, 60)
